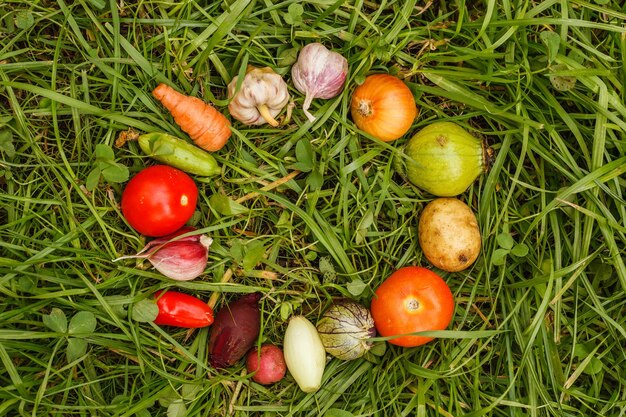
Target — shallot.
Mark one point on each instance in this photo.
(181, 259)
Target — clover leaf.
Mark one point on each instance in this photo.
(507, 246)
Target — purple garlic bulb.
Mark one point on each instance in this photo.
(318, 73)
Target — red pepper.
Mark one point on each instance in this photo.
(182, 310)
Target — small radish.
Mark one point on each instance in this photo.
(268, 366)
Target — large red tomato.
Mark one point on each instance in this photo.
(159, 200)
(412, 299)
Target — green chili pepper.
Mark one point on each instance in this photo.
(179, 154)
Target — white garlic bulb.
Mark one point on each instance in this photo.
(262, 96)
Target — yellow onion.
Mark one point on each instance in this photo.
(383, 106)
(444, 159)
(345, 330)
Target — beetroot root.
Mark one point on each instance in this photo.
(234, 331)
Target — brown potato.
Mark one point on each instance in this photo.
(449, 235)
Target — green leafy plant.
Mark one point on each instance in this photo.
(557, 75)
(106, 167)
(382, 49)
(7, 148)
(81, 325)
(293, 16)
(590, 364)
(24, 19)
(226, 206)
(176, 400)
(306, 161)
(327, 269)
(507, 246)
(247, 254)
(552, 40)
(356, 287)
(6, 143)
(145, 311)
(254, 251)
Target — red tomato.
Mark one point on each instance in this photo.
(159, 200)
(182, 310)
(412, 299)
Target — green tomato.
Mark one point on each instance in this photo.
(444, 159)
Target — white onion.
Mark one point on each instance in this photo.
(304, 354)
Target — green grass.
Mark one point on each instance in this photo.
(541, 335)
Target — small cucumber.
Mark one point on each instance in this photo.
(179, 154)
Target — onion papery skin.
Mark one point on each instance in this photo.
(345, 329)
(384, 107)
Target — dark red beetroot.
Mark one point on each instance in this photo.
(234, 331)
(268, 366)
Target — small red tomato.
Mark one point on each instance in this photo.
(412, 299)
(182, 310)
(268, 366)
(159, 200)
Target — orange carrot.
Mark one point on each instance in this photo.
(207, 127)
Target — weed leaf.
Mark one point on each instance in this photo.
(145, 311)
(83, 322)
(254, 252)
(356, 287)
(520, 250)
(104, 152)
(226, 206)
(327, 269)
(93, 179)
(177, 409)
(6, 143)
(498, 256)
(315, 180)
(552, 40)
(190, 392)
(115, 173)
(75, 348)
(285, 311)
(505, 240)
(56, 321)
(24, 19)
